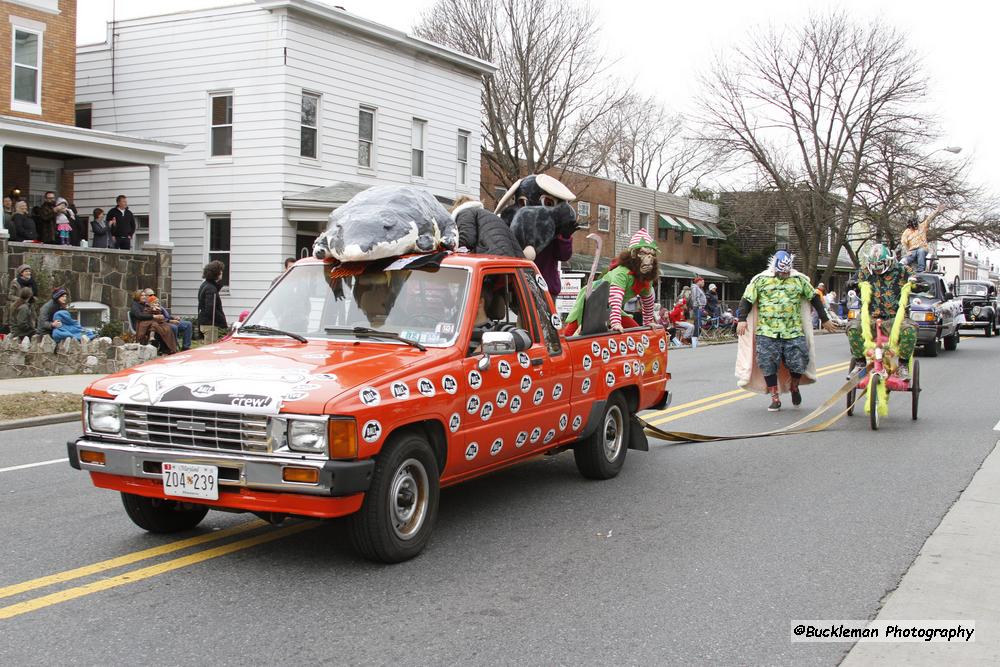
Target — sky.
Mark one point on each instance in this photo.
(663, 48)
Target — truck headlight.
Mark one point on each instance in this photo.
(104, 417)
(976, 310)
(925, 316)
(307, 436)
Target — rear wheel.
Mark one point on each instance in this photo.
(873, 385)
(915, 388)
(602, 455)
(158, 515)
(400, 508)
(852, 395)
(989, 329)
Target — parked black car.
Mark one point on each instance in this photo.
(936, 312)
(979, 303)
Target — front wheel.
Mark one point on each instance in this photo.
(873, 385)
(932, 349)
(989, 329)
(400, 508)
(602, 455)
(951, 342)
(158, 515)
(915, 389)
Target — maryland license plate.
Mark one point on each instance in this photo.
(188, 480)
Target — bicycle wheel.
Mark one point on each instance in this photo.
(852, 395)
(873, 385)
(915, 389)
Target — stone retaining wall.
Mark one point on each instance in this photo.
(90, 274)
(41, 356)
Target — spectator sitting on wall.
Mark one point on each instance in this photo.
(147, 319)
(122, 223)
(99, 225)
(182, 328)
(69, 327)
(23, 314)
(64, 222)
(8, 214)
(23, 277)
(24, 225)
(210, 314)
(47, 321)
(45, 219)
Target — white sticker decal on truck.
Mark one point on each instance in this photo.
(577, 422)
(605, 355)
(400, 390)
(644, 340)
(502, 398)
(613, 346)
(585, 387)
(454, 422)
(522, 438)
(370, 396)
(449, 384)
(523, 359)
(472, 405)
(525, 383)
(557, 392)
(475, 379)
(371, 431)
(539, 396)
(563, 422)
(627, 369)
(663, 345)
(486, 412)
(587, 362)
(549, 435)
(471, 451)
(536, 433)
(425, 387)
(609, 379)
(515, 405)
(595, 348)
(503, 367)
(656, 366)
(496, 446)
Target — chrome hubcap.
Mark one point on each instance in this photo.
(613, 433)
(408, 495)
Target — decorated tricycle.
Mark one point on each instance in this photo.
(879, 378)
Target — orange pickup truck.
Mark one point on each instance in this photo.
(361, 391)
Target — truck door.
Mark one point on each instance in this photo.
(498, 416)
(550, 366)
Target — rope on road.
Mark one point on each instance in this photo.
(792, 429)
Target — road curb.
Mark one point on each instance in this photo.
(44, 420)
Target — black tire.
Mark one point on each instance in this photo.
(162, 516)
(602, 455)
(873, 401)
(932, 349)
(397, 517)
(989, 329)
(852, 395)
(951, 342)
(915, 390)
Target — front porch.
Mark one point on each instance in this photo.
(40, 156)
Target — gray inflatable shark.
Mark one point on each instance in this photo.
(387, 221)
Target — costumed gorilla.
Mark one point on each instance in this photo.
(632, 274)
(541, 219)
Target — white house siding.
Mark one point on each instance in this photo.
(349, 71)
(672, 204)
(165, 68)
(636, 200)
(700, 210)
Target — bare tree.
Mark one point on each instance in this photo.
(802, 107)
(903, 178)
(551, 86)
(641, 143)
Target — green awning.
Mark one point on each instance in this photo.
(699, 229)
(711, 231)
(686, 225)
(667, 223)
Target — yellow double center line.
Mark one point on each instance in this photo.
(65, 595)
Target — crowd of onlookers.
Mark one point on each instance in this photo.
(150, 319)
(57, 221)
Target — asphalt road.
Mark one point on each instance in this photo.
(695, 554)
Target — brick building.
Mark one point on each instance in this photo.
(685, 230)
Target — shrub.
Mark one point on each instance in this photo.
(112, 330)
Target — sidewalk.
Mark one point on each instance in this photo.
(956, 576)
(70, 384)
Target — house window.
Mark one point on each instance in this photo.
(583, 212)
(84, 116)
(27, 71)
(309, 126)
(662, 234)
(222, 124)
(679, 235)
(219, 227)
(624, 222)
(603, 218)
(366, 137)
(644, 221)
(462, 154)
(40, 181)
(417, 136)
(695, 240)
(781, 232)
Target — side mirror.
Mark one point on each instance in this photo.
(506, 342)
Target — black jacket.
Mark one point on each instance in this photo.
(24, 228)
(210, 305)
(122, 224)
(484, 232)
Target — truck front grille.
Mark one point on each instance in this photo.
(196, 429)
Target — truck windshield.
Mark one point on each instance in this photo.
(420, 305)
(971, 289)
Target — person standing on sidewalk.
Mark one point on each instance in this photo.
(698, 303)
(122, 223)
(210, 314)
(776, 305)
